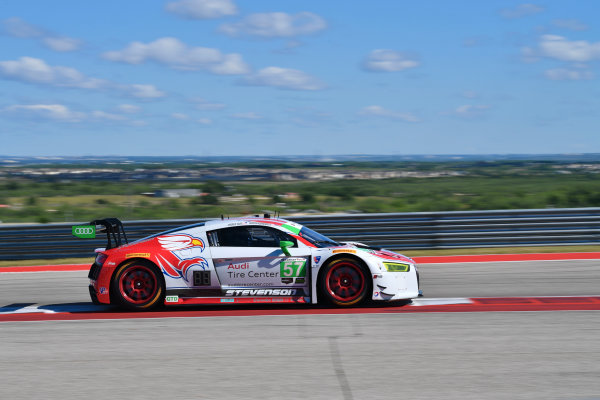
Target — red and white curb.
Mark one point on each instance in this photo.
(88, 311)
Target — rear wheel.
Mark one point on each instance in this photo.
(138, 285)
(345, 282)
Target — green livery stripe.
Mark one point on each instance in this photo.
(291, 228)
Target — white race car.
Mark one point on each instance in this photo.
(243, 260)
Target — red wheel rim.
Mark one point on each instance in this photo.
(138, 284)
(345, 281)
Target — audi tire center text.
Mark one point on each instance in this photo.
(242, 261)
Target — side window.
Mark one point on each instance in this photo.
(237, 236)
(249, 236)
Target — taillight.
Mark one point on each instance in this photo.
(100, 258)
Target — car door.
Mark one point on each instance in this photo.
(249, 261)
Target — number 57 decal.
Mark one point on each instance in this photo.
(293, 267)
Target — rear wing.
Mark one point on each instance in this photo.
(113, 227)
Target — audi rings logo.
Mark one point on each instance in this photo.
(84, 231)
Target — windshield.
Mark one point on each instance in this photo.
(316, 238)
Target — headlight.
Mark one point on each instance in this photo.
(396, 267)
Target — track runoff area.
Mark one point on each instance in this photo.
(89, 311)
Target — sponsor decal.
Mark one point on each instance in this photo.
(237, 223)
(376, 294)
(262, 292)
(180, 242)
(317, 259)
(84, 231)
(253, 274)
(131, 255)
(172, 299)
(292, 269)
(227, 300)
(103, 290)
(111, 263)
(239, 266)
(351, 251)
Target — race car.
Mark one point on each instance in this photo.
(241, 261)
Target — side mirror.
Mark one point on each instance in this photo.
(284, 244)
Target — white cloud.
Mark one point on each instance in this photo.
(202, 9)
(470, 110)
(379, 111)
(522, 10)
(62, 113)
(276, 24)
(143, 91)
(62, 44)
(17, 27)
(129, 108)
(102, 115)
(384, 60)
(284, 78)
(572, 24)
(559, 48)
(202, 104)
(35, 70)
(171, 52)
(247, 115)
(56, 112)
(180, 116)
(205, 121)
(563, 74)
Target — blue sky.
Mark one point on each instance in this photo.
(255, 77)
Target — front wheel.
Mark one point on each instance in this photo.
(138, 285)
(344, 282)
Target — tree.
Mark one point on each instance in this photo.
(213, 187)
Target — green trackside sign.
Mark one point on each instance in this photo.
(84, 231)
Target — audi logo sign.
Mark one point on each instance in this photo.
(84, 231)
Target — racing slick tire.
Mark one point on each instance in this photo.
(138, 285)
(345, 282)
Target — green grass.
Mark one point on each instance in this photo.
(481, 188)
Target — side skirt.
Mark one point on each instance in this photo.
(176, 300)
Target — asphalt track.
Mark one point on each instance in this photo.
(315, 353)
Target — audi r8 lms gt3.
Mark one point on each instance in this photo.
(242, 260)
